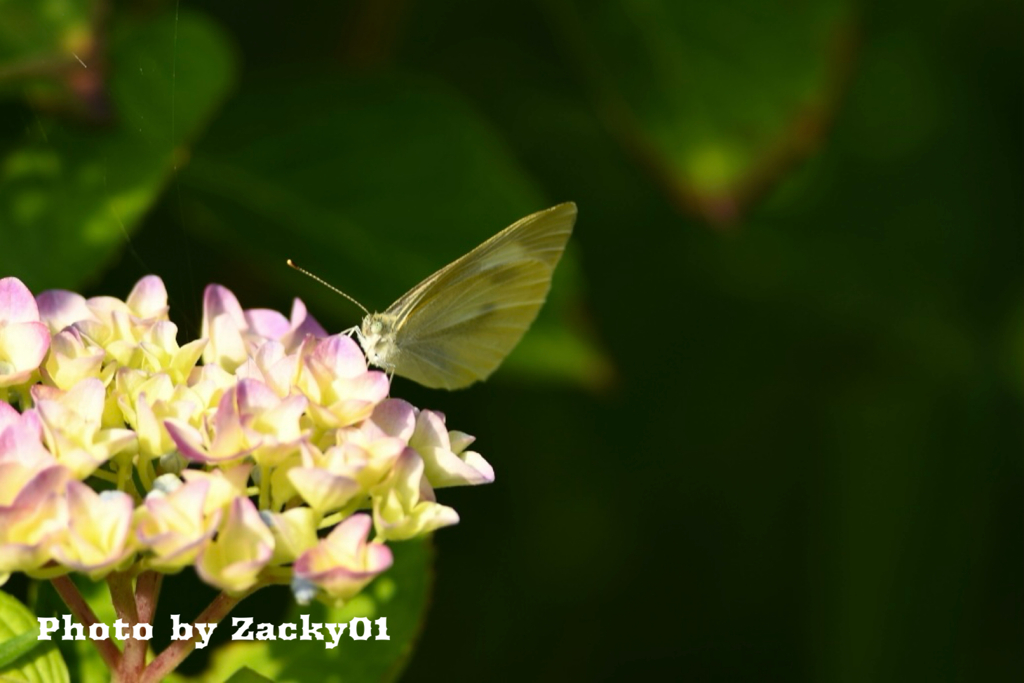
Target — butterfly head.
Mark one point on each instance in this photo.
(377, 337)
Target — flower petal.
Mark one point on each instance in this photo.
(59, 308)
(17, 305)
(148, 298)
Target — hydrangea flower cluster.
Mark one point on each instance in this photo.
(121, 451)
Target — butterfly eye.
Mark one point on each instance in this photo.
(376, 327)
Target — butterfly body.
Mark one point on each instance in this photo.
(377, 337)
(459, 324)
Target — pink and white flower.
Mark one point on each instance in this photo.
(250, 420)
(24, 339)
(344, 562)
(233, 560)
(175, 526)
(242, 445)
(445, 458)
(97, 538)
(73, 426)
(404, 506)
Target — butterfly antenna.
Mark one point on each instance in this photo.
(327, 285)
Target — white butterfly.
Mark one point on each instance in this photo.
(459, 324)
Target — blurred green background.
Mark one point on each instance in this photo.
(768, 426)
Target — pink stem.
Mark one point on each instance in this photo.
(68, 592)
(121, 594)
(168, 660)
(147, 591)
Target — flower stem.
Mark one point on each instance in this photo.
(147, 473)
(264, 489)
(123, 475)
(24, 397)
(330, 520)
(68, 592)
(105, 475)
(134, 659)
(277, 575)
(147, 591)
(168, 660)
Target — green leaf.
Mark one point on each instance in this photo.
(716, 99)
(400, 595)
(69, 196)
(21, 657)
(247, 675)
(398, 177)
(11, 650)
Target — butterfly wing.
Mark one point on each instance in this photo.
(458, 325)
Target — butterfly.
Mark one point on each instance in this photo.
(458, 325)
